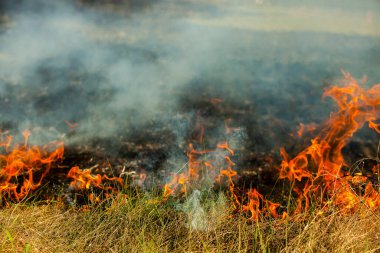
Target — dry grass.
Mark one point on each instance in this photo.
(338, 233)
(142, 224)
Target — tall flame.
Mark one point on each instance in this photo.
(321, 163)
(316, 172)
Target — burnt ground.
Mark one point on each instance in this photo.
(262, 89)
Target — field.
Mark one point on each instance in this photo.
(192, 126)
(140, 225)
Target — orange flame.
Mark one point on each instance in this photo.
(316, 171)
(83, 179)
(259, 207)
(374, 126)
(23, 167)
(212, 164)
(315, 174)
(321, 163)
(305, 128)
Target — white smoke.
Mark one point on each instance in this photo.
(107, 69)
(205, 214)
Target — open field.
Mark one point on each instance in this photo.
(342, 19)
(189, 126)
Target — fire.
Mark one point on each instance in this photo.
(320, 165)
(23, 167)
(83, 179)
(374, 126)
(317, 174)
(209, 164)
(305, 128)
(259, 207)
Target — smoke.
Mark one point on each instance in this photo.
(117, 67)
(204, 212)
(62, 62)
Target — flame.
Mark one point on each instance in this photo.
(23, 167)
(305, 128)
(259, 207)
(321, 163)
(316, 174)
(83, 179)
(213, 164)
(374, 126)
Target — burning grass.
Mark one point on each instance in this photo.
(324, 204)
(141, 225)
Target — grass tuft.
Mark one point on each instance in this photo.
(143, 224)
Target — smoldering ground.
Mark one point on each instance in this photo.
(120, 70)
